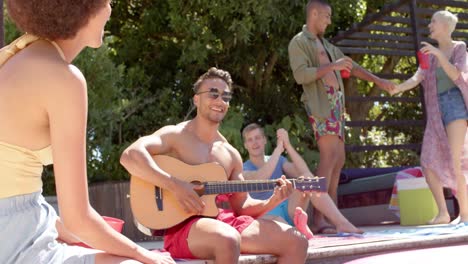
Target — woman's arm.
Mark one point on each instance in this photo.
(64, 234)
(460, 61)
(449, 68)
(65, 101)
(410, 83)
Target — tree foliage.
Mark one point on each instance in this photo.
(141, 79)
(179, 40)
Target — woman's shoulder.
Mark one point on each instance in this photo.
(39, 67)
(41, 57)
(460, 44)
(459, 50)
(43, 66)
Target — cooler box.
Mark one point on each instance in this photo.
(417, 205)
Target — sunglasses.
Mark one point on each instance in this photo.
(214, 93)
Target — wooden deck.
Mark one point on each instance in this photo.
(356, 248)
(325, 250)
(320, 250)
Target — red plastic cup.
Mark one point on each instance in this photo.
(115, 223)
(423, 59)
(345, 74)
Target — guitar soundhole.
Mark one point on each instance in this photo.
(199, 191)
(159, 198)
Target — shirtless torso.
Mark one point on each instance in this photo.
(329, 78)
(196, 142)
(189, 148)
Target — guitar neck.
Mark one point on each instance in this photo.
(220, 187)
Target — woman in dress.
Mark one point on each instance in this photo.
(445, 83)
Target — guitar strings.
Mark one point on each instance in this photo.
(254, 186)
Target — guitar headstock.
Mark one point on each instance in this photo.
(316, 184)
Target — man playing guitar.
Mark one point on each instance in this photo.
(198, 141)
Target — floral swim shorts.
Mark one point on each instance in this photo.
(334, 124)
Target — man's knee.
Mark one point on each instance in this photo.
(228, 240)
(297, 244)
(211, 238)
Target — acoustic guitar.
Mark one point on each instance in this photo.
(156, 208)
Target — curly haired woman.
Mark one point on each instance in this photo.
(43, 113)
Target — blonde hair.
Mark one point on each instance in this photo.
(447, 17)
(252, 127)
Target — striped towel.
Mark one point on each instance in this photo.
(415, 172)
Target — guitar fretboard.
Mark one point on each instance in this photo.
(239, 186)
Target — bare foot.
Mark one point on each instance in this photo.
(439, 219)
(322, 226)
(300, 221)
(325, 228)
(348, 228)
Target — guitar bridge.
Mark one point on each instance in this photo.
(159, 197)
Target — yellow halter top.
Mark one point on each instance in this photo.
(21, 168)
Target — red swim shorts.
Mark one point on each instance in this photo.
(175, 240)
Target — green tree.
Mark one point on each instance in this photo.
(141, 79)
(175, 41)
(2, 31)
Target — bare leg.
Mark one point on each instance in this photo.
(274, 218)
(335, 176)
(220, 242)
(456, 131)
(325, 204)
(268, 237)
(435, 185)
(331, 158)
